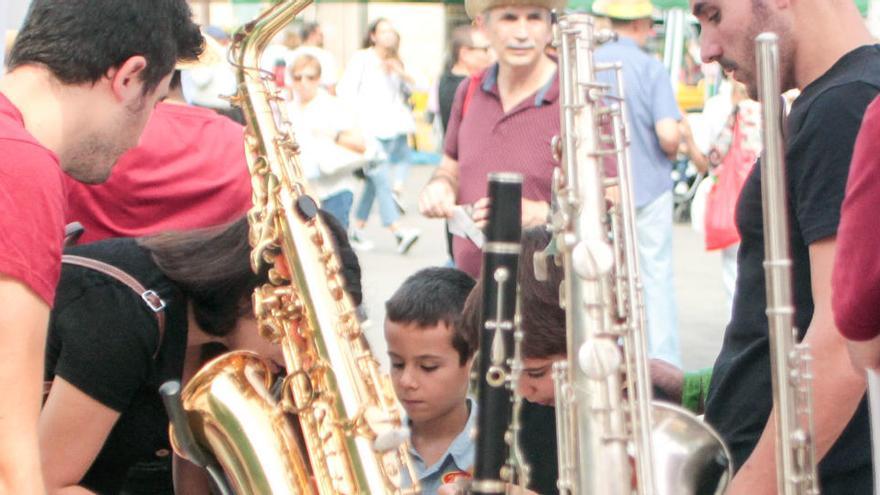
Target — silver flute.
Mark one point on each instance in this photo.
(789, 360)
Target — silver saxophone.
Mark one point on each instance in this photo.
(611, 439)
(789, 360)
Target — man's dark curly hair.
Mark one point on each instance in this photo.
(80, 40)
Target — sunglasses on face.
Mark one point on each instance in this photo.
(308, 77)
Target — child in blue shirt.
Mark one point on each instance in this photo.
(431, 360)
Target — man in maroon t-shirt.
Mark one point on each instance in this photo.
(84, 76)
(855, 282)
(511, 116)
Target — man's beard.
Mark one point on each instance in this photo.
(91, 161)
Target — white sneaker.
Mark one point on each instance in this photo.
(359, 241)
(405, 239)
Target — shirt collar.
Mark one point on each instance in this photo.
(545, 95)
(461, 449)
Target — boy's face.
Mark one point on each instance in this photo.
(426, 371)
(536, 380)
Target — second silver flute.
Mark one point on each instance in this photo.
(789, 361)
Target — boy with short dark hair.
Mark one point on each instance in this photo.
(431, 360)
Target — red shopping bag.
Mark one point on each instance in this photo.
(720, 219)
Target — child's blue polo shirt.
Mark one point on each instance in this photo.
(459, 456)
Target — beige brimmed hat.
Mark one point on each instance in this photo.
(477, 7)
(626, 10)
(212, 54)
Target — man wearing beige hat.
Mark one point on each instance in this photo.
(652, 121)
(501, 121)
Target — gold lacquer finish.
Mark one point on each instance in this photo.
(350, 422)
(232, 413)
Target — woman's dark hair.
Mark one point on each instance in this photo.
(80, 40)
(371, 30)
(431, 296)
(541, 317)
(212, 268)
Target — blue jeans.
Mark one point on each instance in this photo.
(377, 186)
(339, 205)
(654, 227)
(397, 149)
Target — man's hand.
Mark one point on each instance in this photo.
(668, 378)
(534, 213)
(437, 199)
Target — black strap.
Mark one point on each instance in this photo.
(149, 296)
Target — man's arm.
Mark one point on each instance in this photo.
(668, 135)
(23, 323)
(438, 196)
(834, 382)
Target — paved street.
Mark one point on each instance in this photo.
(701, 307)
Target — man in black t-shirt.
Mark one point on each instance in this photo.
(826, 52)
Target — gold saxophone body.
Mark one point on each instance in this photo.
(336, 428)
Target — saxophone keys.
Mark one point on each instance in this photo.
(599, 358)
(592, 258)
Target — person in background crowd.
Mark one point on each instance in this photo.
(107, 354)
(469, 55)
(372, 85)
(331, 147)
(188, 171)
(652, 126)
(431, 358)
(84, 76)
(855, 282)
(211, 82)
(731, 149)
(826, 51)
(501, 121)
(313, 44)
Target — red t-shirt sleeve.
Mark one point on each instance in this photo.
(450, 143)
(32, 221)
(856, 276)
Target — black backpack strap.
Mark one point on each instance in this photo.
(149, 296)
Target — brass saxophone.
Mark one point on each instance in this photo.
(789, 360)
(611, 438)
(348, 437)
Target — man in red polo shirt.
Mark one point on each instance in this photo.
(84, 76)
(188, 171)
(512, 115)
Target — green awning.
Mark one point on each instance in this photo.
(584, 5)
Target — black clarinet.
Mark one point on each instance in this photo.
(497, 458)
